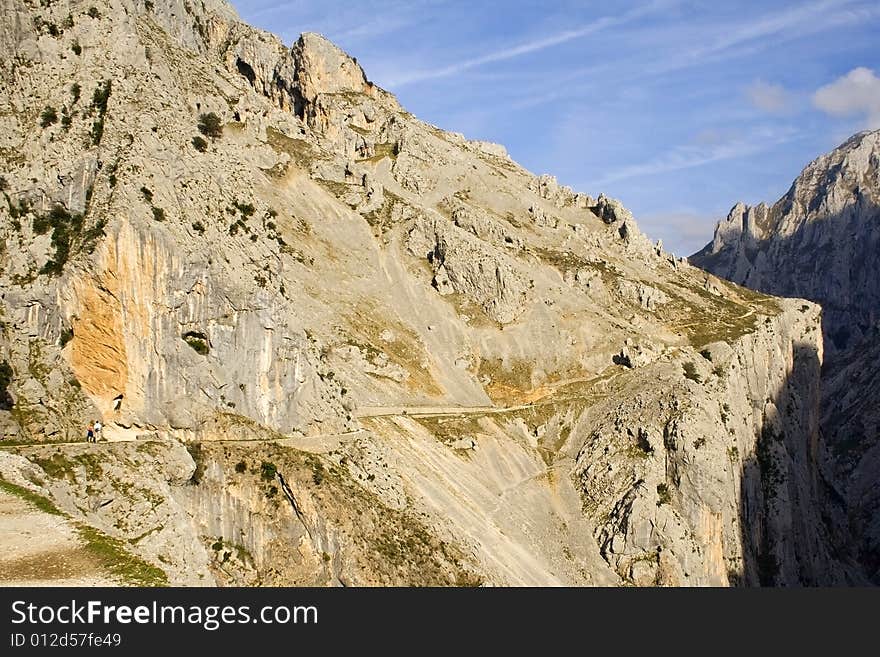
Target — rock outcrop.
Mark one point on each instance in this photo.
(332, 344)
(821, 241)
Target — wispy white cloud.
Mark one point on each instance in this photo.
(721, 44)
(529, 47)
(857, 92)
(769, 30)
(770, 98)
(699, 153)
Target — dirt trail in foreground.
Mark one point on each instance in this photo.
(41, 549)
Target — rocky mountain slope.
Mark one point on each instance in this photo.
(821, 241)
(332, 344)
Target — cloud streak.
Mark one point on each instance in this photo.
(787, 25)
(528, 47)
(690, 156)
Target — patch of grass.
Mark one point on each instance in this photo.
(380, 151)
(300, 151)
(450, 429)
(40, 502)
(112, 555)
(56, 466)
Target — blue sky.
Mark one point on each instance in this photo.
(680, 109)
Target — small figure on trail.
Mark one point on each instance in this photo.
(90, 433)
(98, 429)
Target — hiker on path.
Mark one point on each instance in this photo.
(90, 433)
(98, 430)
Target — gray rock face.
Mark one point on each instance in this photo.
(611, 210)
(394, 355)
(821, 241)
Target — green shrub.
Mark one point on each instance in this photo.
(210, 126)
(97, 131)
(663, 494)
(66, 336)
(198, 342)
(5, 379)
(199, 227)
(268, 471)
(246, 209)
(76, 48)
(240, 467)
(690, 372)
(199, 144)
(94, 13)
(48, 117)
(75, 91)
(158, 214)
(147, 194)
(101, 96)
(66, 229)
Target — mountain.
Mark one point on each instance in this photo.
(821, 241)
(333, 344)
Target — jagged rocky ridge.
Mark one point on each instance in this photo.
(821, 241)
(353, 348)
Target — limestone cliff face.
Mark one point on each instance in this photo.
(743, 420)
(820, 241)
(394, 355)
